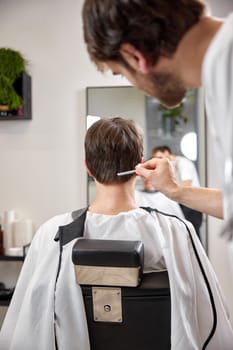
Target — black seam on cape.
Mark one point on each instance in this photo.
(214, 311)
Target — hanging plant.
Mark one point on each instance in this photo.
(177, 113)
(12, 65)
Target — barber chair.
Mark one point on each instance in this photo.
(125, 308)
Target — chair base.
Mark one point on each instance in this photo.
(146, 312)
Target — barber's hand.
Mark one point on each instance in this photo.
(160, 173)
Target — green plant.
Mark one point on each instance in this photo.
(12, 65)
(8, 96)
(176, 113)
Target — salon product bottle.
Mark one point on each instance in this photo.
(1, 241)
(9, 218)
(22, 232)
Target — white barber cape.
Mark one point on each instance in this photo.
(30, 321)
(158, 200)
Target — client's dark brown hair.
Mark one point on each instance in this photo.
(113, 145)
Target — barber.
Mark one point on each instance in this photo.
(165, 48)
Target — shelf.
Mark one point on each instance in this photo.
(6, 297)
(4, 257)
(6, 293)
(5, 302)
(11, 258)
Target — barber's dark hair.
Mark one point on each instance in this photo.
(161, 149)
(154, 27)
(113, 145)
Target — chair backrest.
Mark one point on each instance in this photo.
(125, 308)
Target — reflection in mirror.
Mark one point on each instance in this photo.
(182, 128)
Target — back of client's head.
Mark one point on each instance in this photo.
(113, 145)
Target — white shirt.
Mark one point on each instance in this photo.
(217, 75)
(29, 323)
(186, 170)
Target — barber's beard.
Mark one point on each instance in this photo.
(166, 87)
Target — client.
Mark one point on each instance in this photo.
(47, 310)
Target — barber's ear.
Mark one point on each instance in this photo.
(88, 171)
(134, 58)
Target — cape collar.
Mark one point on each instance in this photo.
(74, 229)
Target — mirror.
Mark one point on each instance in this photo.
(183, 129)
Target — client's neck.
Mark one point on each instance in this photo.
(113, 199)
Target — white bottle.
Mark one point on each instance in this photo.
(8, 219)
(22, 232)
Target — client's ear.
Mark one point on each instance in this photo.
(134, 58)
(88, 171)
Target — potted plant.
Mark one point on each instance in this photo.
(171, 117)
(175, 114)
(12, 66)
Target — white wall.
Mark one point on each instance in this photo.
(41, 160)
(220, 8)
